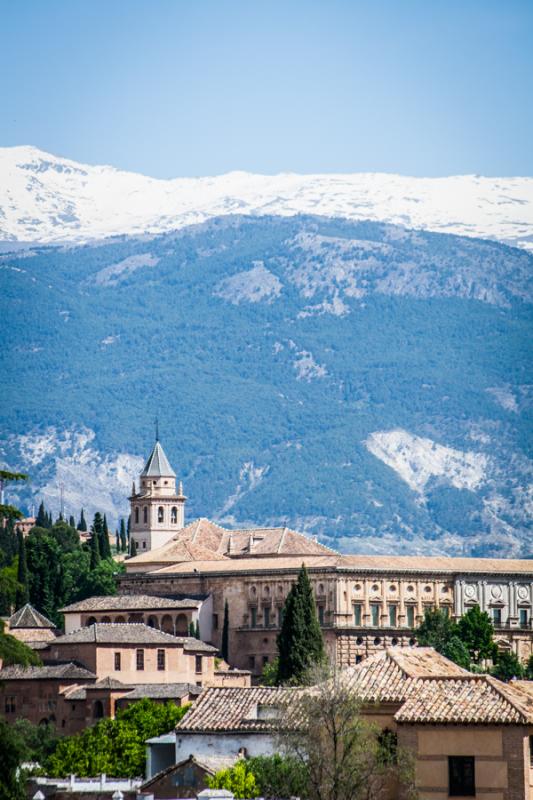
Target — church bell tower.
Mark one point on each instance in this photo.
(157, 509)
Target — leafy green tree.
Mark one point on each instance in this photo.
(12, 749)
(269, 675)
(123, 536)
(239, 780)
(67, 537)
(8, 511)
(116, 747)
(12, 651)
(39, 741)
(23, 594)
(224, 649)
(529, 669)
(507, 667)
(300, 643)
(439, 631)
(82, 524)
(476, 631)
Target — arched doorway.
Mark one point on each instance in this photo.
(167, 624)
(98, 709)
(182, 627)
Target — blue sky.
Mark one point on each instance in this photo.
(200, 87)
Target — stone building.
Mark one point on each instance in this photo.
(31, 627)
(469, 735)
(364, 603)
(157, 508)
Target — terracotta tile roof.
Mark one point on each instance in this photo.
(67, 671)
(130, 633)
(252, 565)
(387, 676)
(471, 699)
(440, 564)
(232, 709)
(129, 602)
(29, 617)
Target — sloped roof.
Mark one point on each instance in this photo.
(29, 617)
(473, 699)
(232, 709)
(389, 676)
(130, 633)
(163, 691)
(129, 602)
(158, 464)
(66, 671)
(109, 684)
(211, 764)
(439, 564)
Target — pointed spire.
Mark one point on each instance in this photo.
(158, 464)
(133, 489)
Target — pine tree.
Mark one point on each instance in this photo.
(197, 630)
(224, 650)
(42, 517)
(300, 643)
(72, 521)
(23, 595)
(82, 524)
(117, 541)
(123, 537)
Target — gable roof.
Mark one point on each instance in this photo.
(29, 617)
(129, 602)
(67, 671)
(158, 464)
(130, 633)
(210, 764)
(220, 709)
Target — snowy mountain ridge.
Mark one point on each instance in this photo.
(47, 199)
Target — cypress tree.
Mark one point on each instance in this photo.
(197, 630)
(224, 650)
(117, 541)
(191, 629)
(105, 548)
(133, 548)
(82, 524)
(42, 518)
(94, 547)
(72, 521)
(49, 520)
(23, 595)
(123, 537)
(300, 643)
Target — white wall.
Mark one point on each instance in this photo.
(72, 622)
(223, 744)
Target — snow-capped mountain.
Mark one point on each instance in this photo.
(47, 199)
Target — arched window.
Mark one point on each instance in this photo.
(98, 709)
(137, 515)
(174, 515)
(145, 513)
(160, 514)
(91, 621)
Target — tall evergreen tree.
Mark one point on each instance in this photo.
(123, 537)
(23, 592)
(82, 524)
(49, 520)
(117, 541)
(197, 629)
(224, 649)
(191, 628)
(72, 521)
(94, 547)
(105, 547)
(300, 643)
(133, 547)
(41, 520)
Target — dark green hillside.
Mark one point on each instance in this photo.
(265, 400)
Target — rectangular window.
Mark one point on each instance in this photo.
(265, 660)
(523, 617)
(160, 659)
(321, 614)
(410, 616)
(266, 616)
(392, 616)
(140, 659)
(253, 617)
(280, 616)
(531, 751)
(375, 609)
(215, 622)
(497, 616)
(461, 776)
(117, 662)
(198, 664)
(251, 663)
(357, 615)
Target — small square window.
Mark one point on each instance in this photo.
(461, 776)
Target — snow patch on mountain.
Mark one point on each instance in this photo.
(250, 476)
(307, 369)
(251, 285)
(44, 198)
(76, 466)
(114, 274)
(418, 460)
